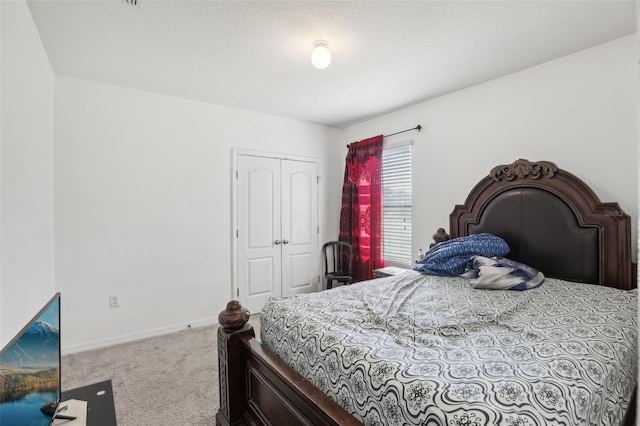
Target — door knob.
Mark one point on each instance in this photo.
(277, 242)
(285, 241)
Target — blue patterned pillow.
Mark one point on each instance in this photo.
(449, 258)
(499, 273)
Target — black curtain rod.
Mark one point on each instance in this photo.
(418, 127)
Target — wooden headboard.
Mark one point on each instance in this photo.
(552, 221)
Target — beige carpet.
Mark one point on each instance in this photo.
(165, 380)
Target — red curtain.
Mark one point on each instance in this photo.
(361, 212)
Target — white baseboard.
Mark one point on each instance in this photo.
(99, 344)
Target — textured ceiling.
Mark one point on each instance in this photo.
(255, 55)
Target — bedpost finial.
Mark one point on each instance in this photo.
(523, 169)
(234, 317)
(439, 237)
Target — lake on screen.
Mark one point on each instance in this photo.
(26, 410)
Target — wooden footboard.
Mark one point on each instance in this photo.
(258, 388)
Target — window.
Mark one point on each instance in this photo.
(396, 204)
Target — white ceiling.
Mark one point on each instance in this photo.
(255, 55)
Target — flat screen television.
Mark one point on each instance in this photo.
(30, 370)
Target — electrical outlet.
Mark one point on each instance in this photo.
(114, 301)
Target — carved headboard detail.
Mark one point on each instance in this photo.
(523, 169)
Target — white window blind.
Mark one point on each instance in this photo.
(396, 204)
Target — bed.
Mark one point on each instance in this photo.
(562, 353)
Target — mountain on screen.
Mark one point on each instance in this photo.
(37, 347)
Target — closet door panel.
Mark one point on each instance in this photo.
(299, 226)
(260, 276)
(259, 228)
(299, 268)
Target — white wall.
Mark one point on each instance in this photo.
(143, 192)
(26, 171)
(579, 111)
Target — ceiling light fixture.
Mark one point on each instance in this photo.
(321, 56)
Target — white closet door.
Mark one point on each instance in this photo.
(259, 253)
(299, 226)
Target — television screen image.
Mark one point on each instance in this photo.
(30, 370)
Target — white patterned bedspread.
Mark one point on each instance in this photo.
(417, 349)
